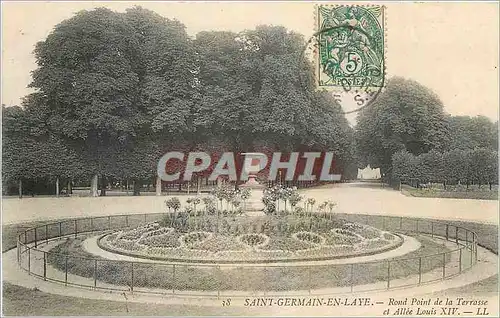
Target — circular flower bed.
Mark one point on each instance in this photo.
(309, 237)
(193, 238)
(241, 239)
(254, 239)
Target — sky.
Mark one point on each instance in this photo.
(452, 48)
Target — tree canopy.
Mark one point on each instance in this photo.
(406, 116)
(115, 91)
(467, 132)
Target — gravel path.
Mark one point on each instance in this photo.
(360, 198)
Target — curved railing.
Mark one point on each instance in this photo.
(242, 280)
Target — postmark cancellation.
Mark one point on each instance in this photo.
(350, 47)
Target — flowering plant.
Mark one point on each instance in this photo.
(274, 195)
(173, 203)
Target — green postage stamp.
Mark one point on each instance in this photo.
(351, 46)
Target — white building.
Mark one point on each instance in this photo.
(369, 173)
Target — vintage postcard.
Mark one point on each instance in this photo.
(250, 159)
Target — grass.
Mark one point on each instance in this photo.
(483, 193)
(21, 301)
(484, 287)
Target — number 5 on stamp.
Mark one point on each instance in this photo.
(351, 46)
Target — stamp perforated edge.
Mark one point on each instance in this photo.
(316, 29)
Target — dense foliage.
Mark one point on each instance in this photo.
(478, 166)
(406, 116)
(115, 91)
(407, 134)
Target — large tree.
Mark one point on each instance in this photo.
(406, 116)
(255, 90)
(118, 90)
(472, 132)
(109, 80)
(31, 154)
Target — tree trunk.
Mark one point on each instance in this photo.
(94, 186)
(57, 187)
(127, 186)
(20, 188)
(70, 188)
(444, 184)
(490, 185)
(137, 188)
(158, 186)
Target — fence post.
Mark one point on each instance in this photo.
(466, 238)
(76, 228)
(456, 234)
(460, 261)
(44, 265)
(475, 250)
(46, 233)
(95, 273)
(66, 271)
(173, 279)
(352, 277)
(60, 229)
(444, 265)
(420, 270)
(471, 251)
(432, 229)
(388, 274)
(132, 276)
(475, 246)
(29, 261)
(417, 226)
(36, 238)
(218, 286)
(91, 224)
(126, 220)
(447, 232)
(309, 278)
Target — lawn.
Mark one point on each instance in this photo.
(20, 301)
(453, 192)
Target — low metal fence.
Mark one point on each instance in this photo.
(35, 256)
